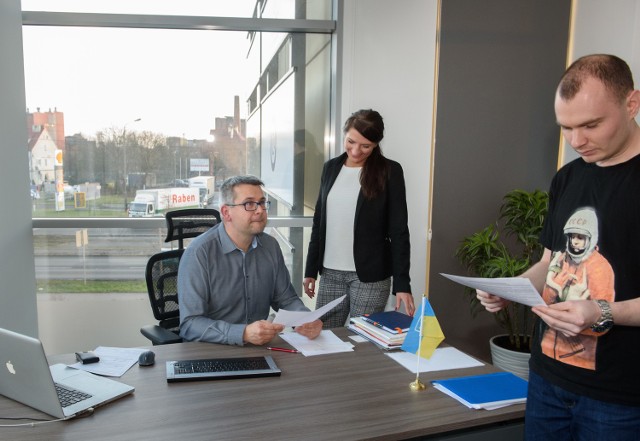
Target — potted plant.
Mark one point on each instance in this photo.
(487, 254)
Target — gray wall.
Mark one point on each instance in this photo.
(500, 61)
(17, 273)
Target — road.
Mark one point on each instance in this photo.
(91, 267)
(111, 254)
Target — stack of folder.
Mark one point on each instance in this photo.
(386, 329)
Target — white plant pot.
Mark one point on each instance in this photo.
(508, 360)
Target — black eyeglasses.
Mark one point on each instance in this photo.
(252, 205)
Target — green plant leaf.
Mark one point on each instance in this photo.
(484, 254)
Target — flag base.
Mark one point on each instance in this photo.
(417, 385)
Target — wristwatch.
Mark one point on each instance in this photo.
(605, 322)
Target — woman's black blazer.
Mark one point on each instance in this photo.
(381, 246)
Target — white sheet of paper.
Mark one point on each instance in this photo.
(297, 318)
(325, 343)
(441, 360)
(114, 362)
(358, 338)
(516, 289)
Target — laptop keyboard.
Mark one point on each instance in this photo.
(68, 396)
(220, 365)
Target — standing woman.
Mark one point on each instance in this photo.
(360, 236)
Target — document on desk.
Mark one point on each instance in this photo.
(325, 343)
(114, 362)
(441, 360)
(297, 318)
(516, 289)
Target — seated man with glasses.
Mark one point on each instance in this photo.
(231, 275)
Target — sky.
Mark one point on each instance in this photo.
(175, 81)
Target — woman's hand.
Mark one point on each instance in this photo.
(407, 299)
(309, 286)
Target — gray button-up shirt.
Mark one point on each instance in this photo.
(221, 289)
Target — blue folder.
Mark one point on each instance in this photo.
(391, 321)
(488, 391)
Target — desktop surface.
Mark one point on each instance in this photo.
(346, 396)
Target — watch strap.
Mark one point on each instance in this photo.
(605, 322)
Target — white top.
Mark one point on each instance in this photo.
(341, 212)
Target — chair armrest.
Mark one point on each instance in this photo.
(160, 336)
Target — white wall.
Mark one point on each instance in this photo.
(611, 27)
(17, 272)
(388, 59)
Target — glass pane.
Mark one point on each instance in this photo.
(314, 9)
(145, 115)
(130, 109)
(235, 8)
(113, 260)
(123, 121)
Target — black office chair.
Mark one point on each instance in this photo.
(189, 223)
(162, 285)
(162, 272)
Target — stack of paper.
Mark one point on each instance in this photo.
(326, 343)
(386, 329)
(488, 391)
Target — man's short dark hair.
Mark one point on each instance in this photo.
(612, 71)
(226, 189)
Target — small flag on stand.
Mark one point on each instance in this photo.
(425, 334)
(423, 338)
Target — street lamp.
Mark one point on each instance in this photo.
(124, 147)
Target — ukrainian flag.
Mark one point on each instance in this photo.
(425, 334)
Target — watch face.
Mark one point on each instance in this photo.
(602, 326)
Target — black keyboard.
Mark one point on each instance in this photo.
(220, 368)
(68, 396)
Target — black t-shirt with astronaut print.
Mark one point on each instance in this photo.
(593, 231)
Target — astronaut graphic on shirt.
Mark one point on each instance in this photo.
(579, 272)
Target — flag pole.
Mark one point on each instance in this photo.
(419, 385)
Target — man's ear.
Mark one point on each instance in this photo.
(633, 103)
(225, 213)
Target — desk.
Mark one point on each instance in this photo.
(346, 396)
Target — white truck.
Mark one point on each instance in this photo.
(155, 202)
(206, 184)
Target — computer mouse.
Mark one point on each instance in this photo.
(147, 358)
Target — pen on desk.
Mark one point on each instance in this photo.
(293, 351)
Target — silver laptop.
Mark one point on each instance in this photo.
(25, 376)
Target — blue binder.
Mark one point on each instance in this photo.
(391, 321)
(488, 391)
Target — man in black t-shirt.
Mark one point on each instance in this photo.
(585, 360)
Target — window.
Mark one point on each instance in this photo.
(123, 103)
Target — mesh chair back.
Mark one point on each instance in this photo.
(162, 286)
(188, 223)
